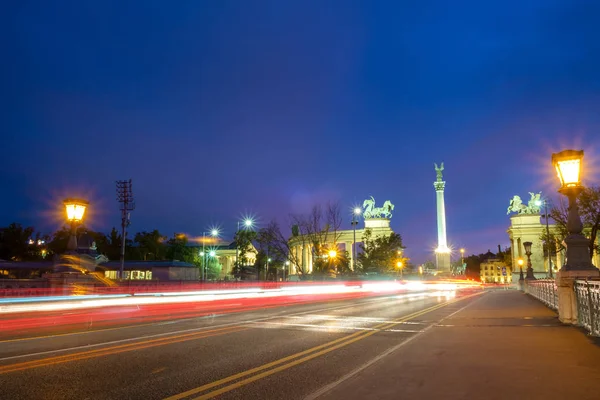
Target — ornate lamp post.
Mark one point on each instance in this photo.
(75, 209)
(520, 262)
(356, 212)
(529, 274)
(568, 167)
(578, 263)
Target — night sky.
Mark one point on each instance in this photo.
(221, 109)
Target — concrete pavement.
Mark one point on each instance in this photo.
(504, 345)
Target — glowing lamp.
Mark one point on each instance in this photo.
(332, 253)
(75, 209)
(248, 223)
(399, 264)
(214, 232)
(568, 167)
(520, 262)
(462, 251)
(357, 211)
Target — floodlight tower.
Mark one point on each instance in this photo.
(125, 197)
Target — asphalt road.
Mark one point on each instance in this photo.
(288, 352)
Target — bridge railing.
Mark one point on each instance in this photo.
(588, 305)
(544, 290)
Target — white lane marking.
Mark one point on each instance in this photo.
(352, 319)
(163, 334)
(334, 327)
(389, 351)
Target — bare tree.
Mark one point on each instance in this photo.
(319, 229)
(278, 243)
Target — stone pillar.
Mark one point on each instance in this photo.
(442, 255)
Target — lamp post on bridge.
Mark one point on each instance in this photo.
(579, 264)
(529, 275)
(568, 167)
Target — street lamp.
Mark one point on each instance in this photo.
(462, 256)
(75, 209)
(529, 274)
(355, 214)
(520, 262)
(400, 264)
(539, 203)
(568, 167)
(214, 233)
(248, 223)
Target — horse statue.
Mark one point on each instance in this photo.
(370, 211)
(534, 203)
(516, 205)
(368, 205)
(532, 207)
(387, 208)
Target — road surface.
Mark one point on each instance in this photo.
(289, 352)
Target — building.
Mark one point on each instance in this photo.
(303, 251)
(151, 270)
(494, 270)
(226, 255)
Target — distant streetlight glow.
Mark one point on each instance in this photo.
(212, 253)
(357, 211)
(332, 254)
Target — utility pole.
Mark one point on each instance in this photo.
(125, 197)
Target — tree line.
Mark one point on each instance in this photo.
(319, 228)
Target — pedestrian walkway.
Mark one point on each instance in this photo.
(504, 345)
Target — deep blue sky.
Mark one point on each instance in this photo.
(224, 108)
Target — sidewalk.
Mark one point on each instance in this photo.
(504, 345)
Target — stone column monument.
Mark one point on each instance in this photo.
(442, 252)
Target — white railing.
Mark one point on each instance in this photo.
(588, 305)
(545, 291)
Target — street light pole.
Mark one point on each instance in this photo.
(356, 212)
(203, 255)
